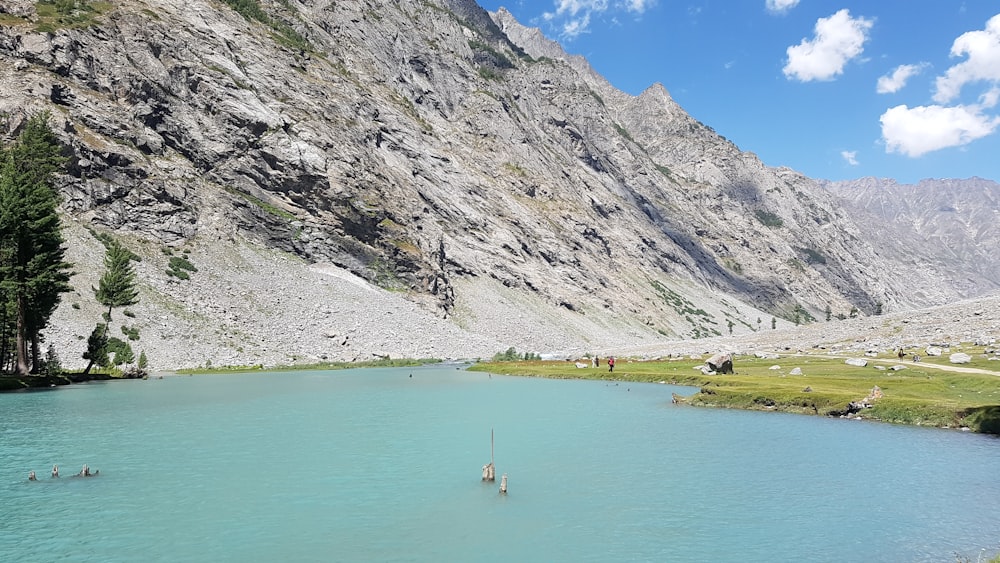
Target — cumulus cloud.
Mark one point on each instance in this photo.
(781, 6)
(983, 62)
(923, 129)
(573, 17)
(839, 38)
(894, 82)
(850, 157)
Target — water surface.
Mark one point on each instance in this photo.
(376, 465)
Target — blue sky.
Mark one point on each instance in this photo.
(903, 89)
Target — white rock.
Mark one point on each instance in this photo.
(959, 358)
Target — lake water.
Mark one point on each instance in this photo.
(375, 465)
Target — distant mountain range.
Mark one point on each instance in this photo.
(946, 230)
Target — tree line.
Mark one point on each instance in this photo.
(33, 271)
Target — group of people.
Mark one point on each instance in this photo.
(85, 472)
(596, 362)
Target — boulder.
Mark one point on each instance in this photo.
(857, 362)
(932, 351)
(795, 371)
(720, 363)
(959, 358)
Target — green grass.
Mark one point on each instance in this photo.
(68, 14)
(263, 205)
(283, 33)
(917, 395)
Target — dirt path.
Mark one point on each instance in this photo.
(958, 369)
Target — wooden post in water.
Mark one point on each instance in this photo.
(489, 470)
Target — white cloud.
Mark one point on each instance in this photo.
(781, 6)
(639, 6)
(923, 129)
(573, 17)
(839, 38)
(983, 50)
(851, 157)
(990, 98)
(894, 82)
(574, 27)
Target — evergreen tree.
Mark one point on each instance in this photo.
(97, 348)
(116, 288)
(33, 273)
(122, 351)
(51, 365)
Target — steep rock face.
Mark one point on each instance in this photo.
(708, 197)
(429, 147)
(934, 230)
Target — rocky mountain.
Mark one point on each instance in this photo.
(427, 158)
(938, 229)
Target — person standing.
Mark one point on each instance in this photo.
(611, 364)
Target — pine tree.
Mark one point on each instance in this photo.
(97, 348)
(33, 273)
(116, 288)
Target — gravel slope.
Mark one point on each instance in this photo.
(249, 305)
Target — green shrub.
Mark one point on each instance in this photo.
(510, 355)
(131, 332)
(179, 268)
(179, 263)
(768, 219)
(179, 274)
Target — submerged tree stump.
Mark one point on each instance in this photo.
(503, 484)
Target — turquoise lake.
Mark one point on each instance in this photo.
(376, 465)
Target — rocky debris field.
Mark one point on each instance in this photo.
(975, 321)
(246, 305)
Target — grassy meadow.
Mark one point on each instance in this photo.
(919, 394)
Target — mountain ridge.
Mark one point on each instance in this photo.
(439, 152)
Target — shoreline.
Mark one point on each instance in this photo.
(919, 394)
(758, 384)
(13, 383)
